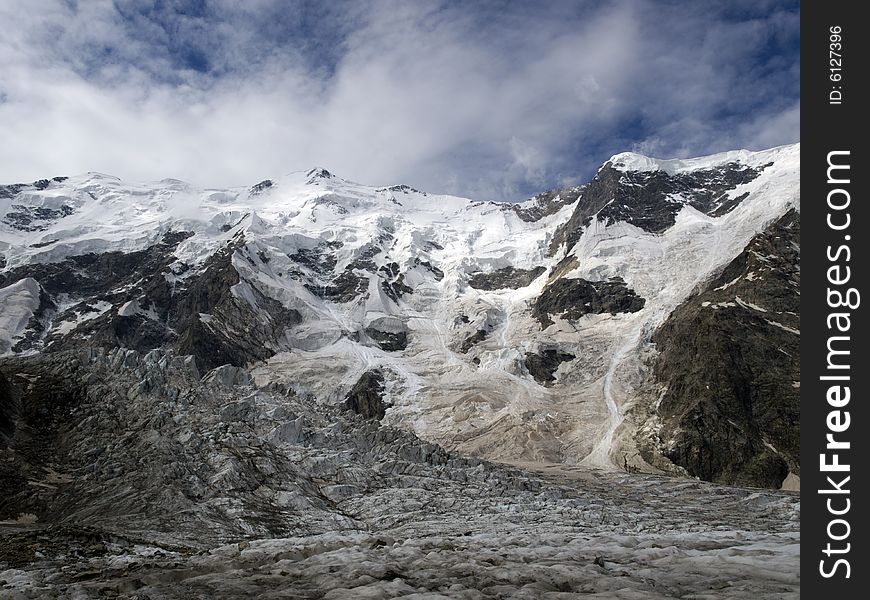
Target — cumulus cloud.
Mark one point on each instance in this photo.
(476, 99)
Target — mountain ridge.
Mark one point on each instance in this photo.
(313, 388)
(436, 292)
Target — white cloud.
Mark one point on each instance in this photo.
(419, 94)
(781, 128)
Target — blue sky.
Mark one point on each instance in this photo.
(492, 99)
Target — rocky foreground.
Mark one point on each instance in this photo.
(133, 475)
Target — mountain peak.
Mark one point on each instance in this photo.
(309, 344)
(632, 161)
(318, 173)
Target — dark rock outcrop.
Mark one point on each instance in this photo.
(11, 190)
(351, 284)
(388, 340)
(365, 398)
(235, 332)
(364, 260)
(99, 274)
(472, 340)
(396, 288)
(390, 333)
(39, 395)
(35, 218)
(260, 187)
(404, 189)
(346, 287)
(546, 204)
(573, 298)
(730, 360)
(393, 279)
(437, 273)
(542, 365)
(651, 200)
(506, 277)
(201, 316)
(318, 173)
(318, 259)
(9, 402)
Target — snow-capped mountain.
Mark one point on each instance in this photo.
(513, 332)
(315, 388)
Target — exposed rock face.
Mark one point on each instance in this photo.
(9, 403)
(95, 274)
(352, 283)
(573, 298)
(506, 277)
(366, 396)
(112, 279)
(389, 341)
(542, 365)
(260, 187)
(396, 288)
(39, 321)
(547, 203)
(238, 327)
(389, 333)
(27, 218)
(318, 173)
(651, 199)
(10, 191)
(729, 359)
(317, 259)
(145, 311)
(475, 338)
(346, 287)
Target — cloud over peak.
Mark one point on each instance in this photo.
(492, 100)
